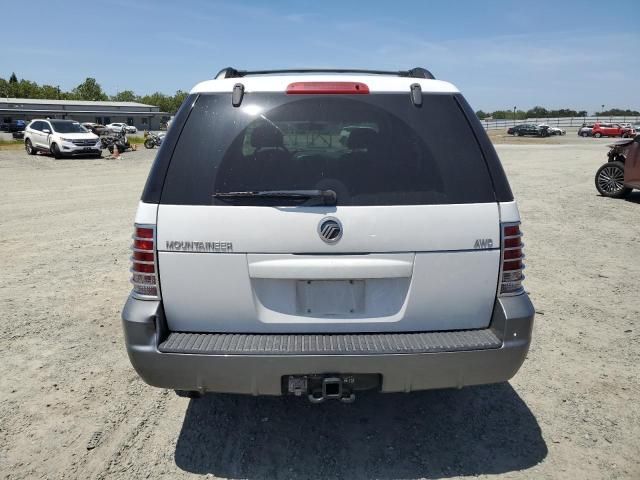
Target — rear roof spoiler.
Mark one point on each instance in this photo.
(417, 72)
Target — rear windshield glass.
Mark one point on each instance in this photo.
(376, 149)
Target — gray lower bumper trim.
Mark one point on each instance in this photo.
(329, 344)
(252, 364)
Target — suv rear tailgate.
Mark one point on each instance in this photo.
(413, 197)
(403, 268)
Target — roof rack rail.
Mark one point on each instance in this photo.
(417, 72)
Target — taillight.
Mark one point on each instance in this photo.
(511, 270)
(344, 88)
(143, 263)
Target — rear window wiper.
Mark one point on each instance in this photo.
(329, 197)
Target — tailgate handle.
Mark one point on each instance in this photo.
(331, 268)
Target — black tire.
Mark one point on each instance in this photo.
(584, 134)
(597, 135)
(29, 148)
(609, 180)
(149, 143)
(188, 394)
(110, 148)
(55, 151)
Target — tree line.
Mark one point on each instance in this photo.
(541, 112)
(90, 89)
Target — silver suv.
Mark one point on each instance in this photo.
(272, 255)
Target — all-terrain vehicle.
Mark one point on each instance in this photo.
(321, 232)
(621, 174)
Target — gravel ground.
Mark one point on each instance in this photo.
(72, 407)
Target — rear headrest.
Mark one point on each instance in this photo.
(362, 138)
(265, 136)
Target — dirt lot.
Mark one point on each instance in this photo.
(571, 412)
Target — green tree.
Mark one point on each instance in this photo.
(125, 96)
(481, 115)
(158, 99)
(537, 112)
(618, 112)
(178, 98)
(13, 78)
(167, 103)
(25, 89)
(4, 88)
(89, 90)
(50, 92)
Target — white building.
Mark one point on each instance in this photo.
(140, 115)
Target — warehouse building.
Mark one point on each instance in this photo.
(143, 117)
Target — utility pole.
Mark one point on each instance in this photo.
(514, 116)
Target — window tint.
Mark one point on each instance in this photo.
(36, 126)
(61, 126)
(370, 149)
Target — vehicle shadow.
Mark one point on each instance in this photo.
(74, 157)
(433, 434)
(634, 197)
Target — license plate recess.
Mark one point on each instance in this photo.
(330, 297)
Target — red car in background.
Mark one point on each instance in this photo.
(611, 130)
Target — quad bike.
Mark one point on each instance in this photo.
(621, 174)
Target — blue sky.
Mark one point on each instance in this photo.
(578, 54)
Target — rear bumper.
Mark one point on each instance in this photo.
(233, 371)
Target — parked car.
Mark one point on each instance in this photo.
(621, 174)
(14, 126)
(96, 128)
(529, 129)
(553, 130)
(60, 138)
(611, 130)
(18, 135)
(117, 127)
(295, 265)
(585, 130)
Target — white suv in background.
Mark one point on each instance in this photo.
(60, 138)
(321, 232)
(117, 127)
